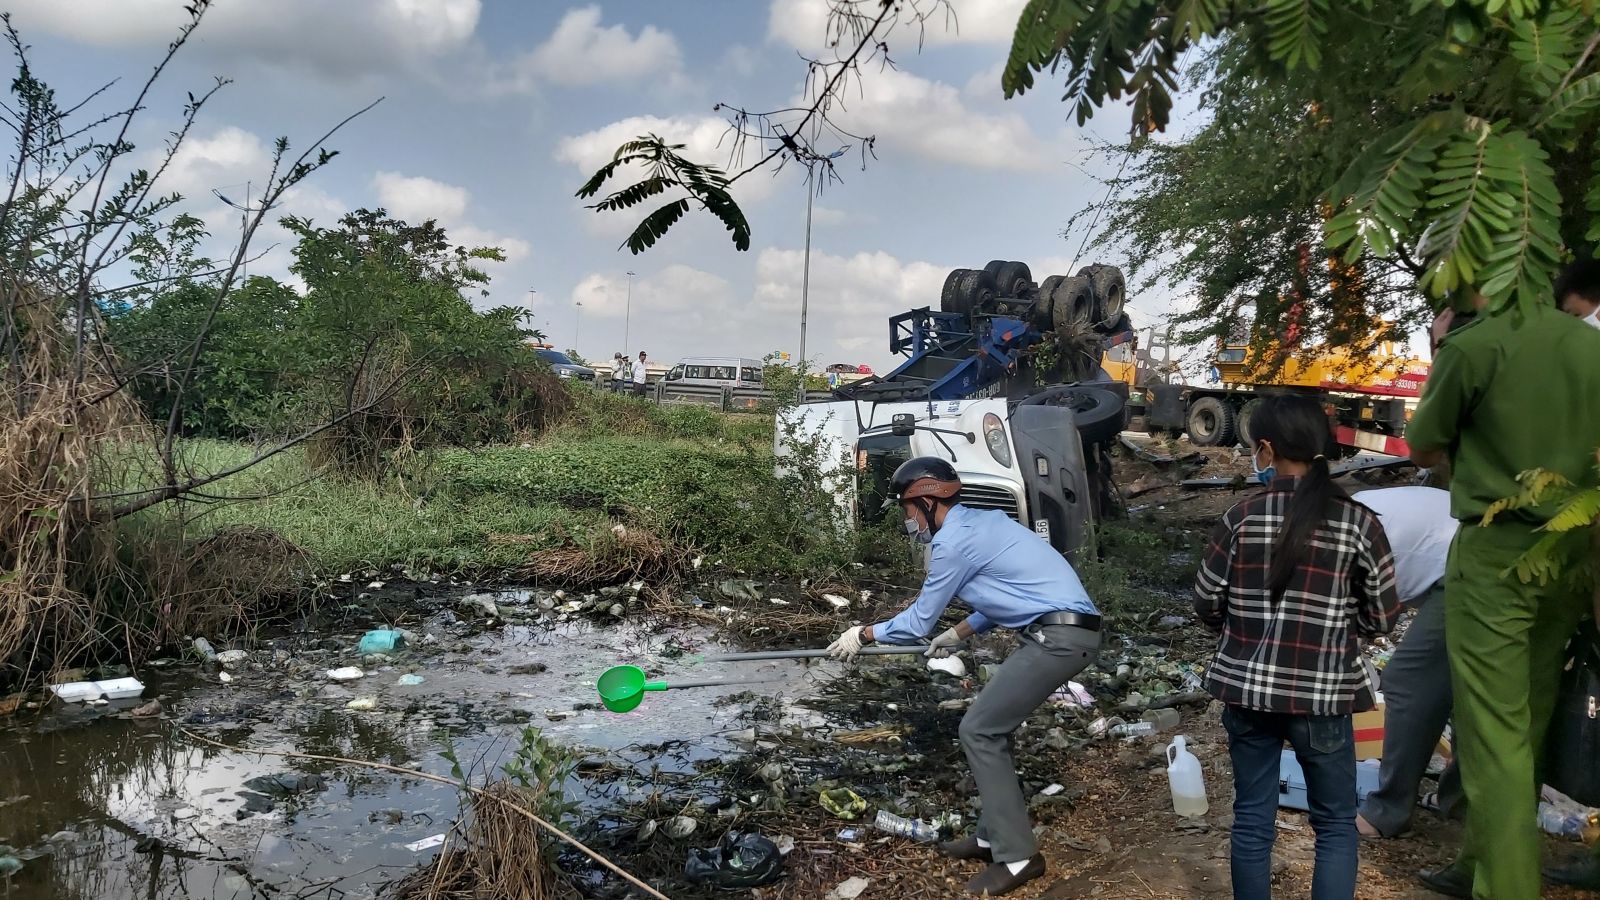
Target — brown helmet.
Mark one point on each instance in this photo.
(926, 476)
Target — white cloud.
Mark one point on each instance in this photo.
(707, 139)
(803, 25)
(930, 119)
(224, 159)
(581, 51)
(682, 311)
(985, 85)
(415, 198)
(349, 36)
(850, 302)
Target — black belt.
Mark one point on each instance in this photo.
(1087, 621)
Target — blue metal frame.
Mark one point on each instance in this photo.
(991, 345)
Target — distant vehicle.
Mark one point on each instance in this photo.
(718, 371)
(563, 365)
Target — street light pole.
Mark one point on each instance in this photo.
(577, 326)
(805, 296)
(627, 318)
(805, 275)
(532, 323)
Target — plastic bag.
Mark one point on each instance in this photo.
(842, 802)
(739, 861)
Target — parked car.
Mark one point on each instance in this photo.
(563, 365)
(718, 371)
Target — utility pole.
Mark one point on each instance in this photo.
(627, 318)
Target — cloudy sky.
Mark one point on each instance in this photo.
(496, 110)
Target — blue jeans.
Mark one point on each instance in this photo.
(1325, 746)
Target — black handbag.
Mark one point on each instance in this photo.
(1572, 746)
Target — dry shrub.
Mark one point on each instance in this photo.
(501, 856)
(76, 584)
(54, 424)
(612, 556)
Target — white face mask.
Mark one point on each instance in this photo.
(918, 533)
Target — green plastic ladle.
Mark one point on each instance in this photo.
(622, 688)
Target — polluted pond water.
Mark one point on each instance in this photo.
(97, 803)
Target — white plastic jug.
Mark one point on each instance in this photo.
(1185, 779)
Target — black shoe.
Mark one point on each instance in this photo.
(966, 848)
(1583, 872)
(997, 879)
(1450, 880)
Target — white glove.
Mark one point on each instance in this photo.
(848, 644)
(943, 644)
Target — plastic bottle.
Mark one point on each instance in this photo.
(917, 830)
(1188, 784)
(1163, 719)
(1132, 729)
(1578, 823)
(204, 650)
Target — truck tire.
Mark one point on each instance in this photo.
(1123, 323)
(1211, 423)
(1098, 412)
(1072, 304)
(1012, 279)
(1044, 303)
(953, 298)
(1245, 412)
(1110, 291)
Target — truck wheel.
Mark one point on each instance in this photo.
(1123, 323)
(1072, 306)
(1245, 412)
(1044, 302)
(953, 298)
(1012, 279)
(1110, 291)
(1211, 423)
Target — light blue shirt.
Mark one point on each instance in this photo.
(1006, 573)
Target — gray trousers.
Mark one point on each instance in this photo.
(1023, 681)
(1416, 698)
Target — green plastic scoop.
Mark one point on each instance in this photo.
(622, 688)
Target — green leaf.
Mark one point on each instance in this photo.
(1537, 486)
(1581, 509)
(655, 226)
(1041, 32)
(1544, 46)
(1379, 195)
(1581, 96)
(1526, 250)
(1294, 31)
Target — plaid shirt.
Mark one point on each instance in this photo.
(1299, 655)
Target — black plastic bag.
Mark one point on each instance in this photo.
(739, 861)
(1572, 745)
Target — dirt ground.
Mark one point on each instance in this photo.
(1112, 833)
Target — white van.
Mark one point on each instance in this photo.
(717, 371)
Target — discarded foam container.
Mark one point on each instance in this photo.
(85, 691)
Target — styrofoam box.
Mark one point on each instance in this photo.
(84, 691)
(1292, 781)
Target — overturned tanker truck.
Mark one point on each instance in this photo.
(1006, 380)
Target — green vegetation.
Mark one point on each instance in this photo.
(702, 480)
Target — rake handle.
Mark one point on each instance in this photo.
(888, 650)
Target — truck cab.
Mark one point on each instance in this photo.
(1023, 458)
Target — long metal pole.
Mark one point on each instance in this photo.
(881, 650)
(805, 295)
(577, 326)
(627, 318)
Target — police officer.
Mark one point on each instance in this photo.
(1011, 578)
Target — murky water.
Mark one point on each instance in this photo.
(100, 805)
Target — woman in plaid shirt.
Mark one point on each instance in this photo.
(1293, 578)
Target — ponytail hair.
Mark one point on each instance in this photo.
(1298, 431)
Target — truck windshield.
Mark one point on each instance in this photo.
(877, 456)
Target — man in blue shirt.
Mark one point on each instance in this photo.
(1012, 578)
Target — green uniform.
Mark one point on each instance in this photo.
(1510, 392)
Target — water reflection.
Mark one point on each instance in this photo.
(114, 807)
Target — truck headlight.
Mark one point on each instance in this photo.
(994, 434)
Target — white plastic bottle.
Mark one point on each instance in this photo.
(1185, 779)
